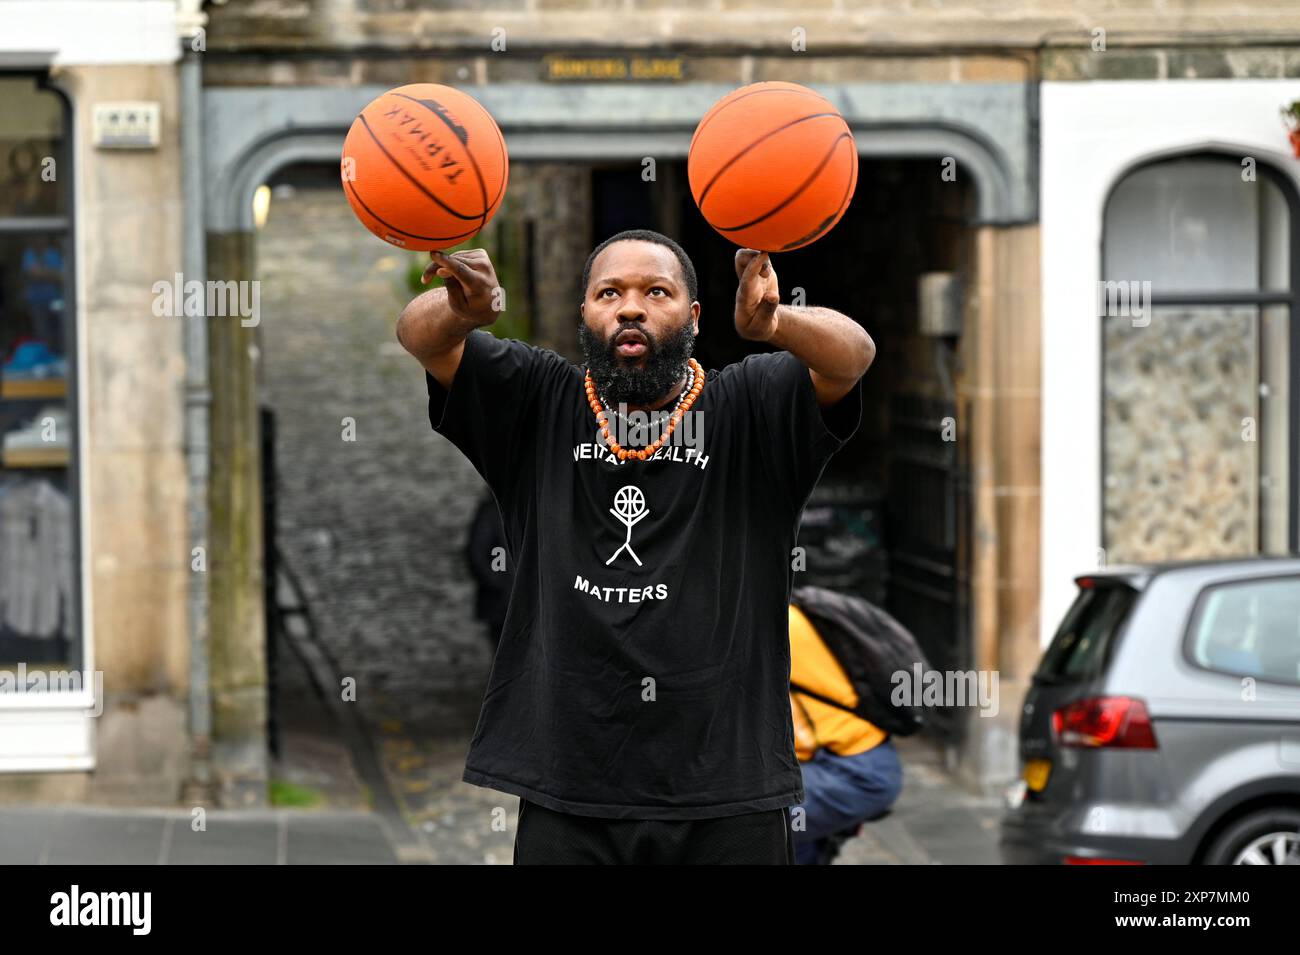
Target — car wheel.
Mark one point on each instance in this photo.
(1267, 837)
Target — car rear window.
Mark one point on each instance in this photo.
(1084, 641)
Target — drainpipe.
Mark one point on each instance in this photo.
(198, 788)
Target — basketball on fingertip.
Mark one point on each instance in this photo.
(424, 166)
(773, 166)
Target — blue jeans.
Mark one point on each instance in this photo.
(841, 791)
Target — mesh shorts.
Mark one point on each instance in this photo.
(547, 837)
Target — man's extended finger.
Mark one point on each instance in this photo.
(752, 261)
(465, 270)
(456, 293)
(749, 280)
(743, 259)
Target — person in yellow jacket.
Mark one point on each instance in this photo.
(851, 771)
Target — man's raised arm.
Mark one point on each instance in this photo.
(836, 350)
(434, 325)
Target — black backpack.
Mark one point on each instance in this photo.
(871, 646)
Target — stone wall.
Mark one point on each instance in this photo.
(1180, 481)
(735, 24)
(1000, 383)
(373, 505)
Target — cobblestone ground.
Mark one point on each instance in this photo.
(374, 527)
(933, 822)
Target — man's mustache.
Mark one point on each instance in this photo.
(650, 341)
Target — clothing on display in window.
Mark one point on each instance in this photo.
(35, 557)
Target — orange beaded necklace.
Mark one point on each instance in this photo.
(602, 416)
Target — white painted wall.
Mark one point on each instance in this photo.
(1092, 132)
(91, 31)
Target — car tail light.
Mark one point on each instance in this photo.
(1105, 721)
(1080, 860)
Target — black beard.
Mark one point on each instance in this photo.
(620, 383)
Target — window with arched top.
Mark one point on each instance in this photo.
(1196, 301)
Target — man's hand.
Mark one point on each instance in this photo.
(757, 297)
(434, 324)
(836, 349)
(471, 284)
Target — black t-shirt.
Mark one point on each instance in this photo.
(643, 670)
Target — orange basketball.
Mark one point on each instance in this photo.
(424, 166)
(773, 166)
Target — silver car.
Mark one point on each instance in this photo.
(1163, 724)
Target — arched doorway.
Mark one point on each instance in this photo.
(907, 143)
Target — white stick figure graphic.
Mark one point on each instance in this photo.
(629, 507)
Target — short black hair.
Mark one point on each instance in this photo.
(646, 235)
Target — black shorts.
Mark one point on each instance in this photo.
(547, 837)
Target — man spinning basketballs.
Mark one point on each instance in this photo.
(638, 703)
